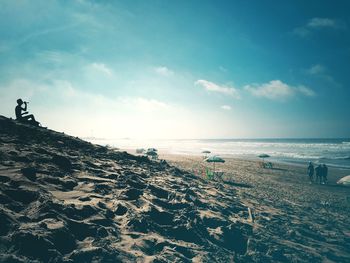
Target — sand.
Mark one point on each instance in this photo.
(294, 221)
(65, 200)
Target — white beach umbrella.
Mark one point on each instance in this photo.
(263, 156)
(214, 159)
(344, 181)
(152, 150)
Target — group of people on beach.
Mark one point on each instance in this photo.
(320, 172)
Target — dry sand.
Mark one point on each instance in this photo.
(65, 200)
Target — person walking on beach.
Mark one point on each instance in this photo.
(21, 116)
(310, 171)
(318, 171)
(324, 174)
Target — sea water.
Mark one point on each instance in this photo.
(333, 152)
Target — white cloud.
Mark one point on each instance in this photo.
(210, 86)
(277, 90)
(316, 69)
(102, 68)
(305, 91)
(164, 71)
(226, 107)
(321, 72)
(317, 22)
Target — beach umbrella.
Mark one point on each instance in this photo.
(152, 150)
(214, 159)
(263, 156)
(345, 181)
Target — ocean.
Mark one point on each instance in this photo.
(333, 152)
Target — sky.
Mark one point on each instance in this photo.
(179, 69)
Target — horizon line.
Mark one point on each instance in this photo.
(241, 138)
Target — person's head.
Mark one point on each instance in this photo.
(19, 101)
(310, 163)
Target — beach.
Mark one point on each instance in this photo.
(174, 131)
(67, 200)
(294, 220)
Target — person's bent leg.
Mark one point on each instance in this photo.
(28, 117)
(32, 117)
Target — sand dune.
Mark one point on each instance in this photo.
(66, 200)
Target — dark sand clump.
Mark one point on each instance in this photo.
(65, 200)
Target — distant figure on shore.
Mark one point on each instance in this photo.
(318, 171)
(310, 171)
(324, 174)
(21, 116)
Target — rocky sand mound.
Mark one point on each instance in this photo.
(65, 200)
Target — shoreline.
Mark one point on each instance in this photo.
(332, 152)
(341, 171)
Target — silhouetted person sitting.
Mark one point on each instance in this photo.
(21, 116)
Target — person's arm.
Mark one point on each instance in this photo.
(24, 109)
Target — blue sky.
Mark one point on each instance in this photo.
(179, 69)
